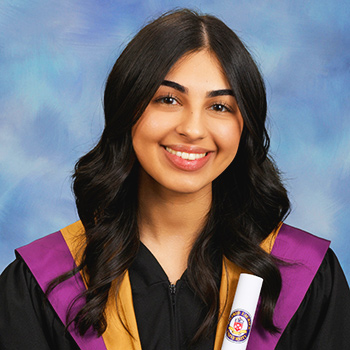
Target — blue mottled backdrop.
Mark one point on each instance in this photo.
(54, 59)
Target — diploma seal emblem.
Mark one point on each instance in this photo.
(239, 326)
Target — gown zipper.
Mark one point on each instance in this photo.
(173, 289)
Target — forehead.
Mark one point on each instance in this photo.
(199, 69)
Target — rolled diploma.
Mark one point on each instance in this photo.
(242, 312)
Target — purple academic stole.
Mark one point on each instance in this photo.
(45, 267)
(305, 253)
(302, 250)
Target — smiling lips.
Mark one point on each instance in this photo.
(189, 161)
(186, 155)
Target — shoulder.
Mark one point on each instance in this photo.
(330, 279)
(322, 316)
(295, 245)
(21, 299)
(42, 246)
(16, 277)
(52, 255)
(311, 268)
(27, 320)
(18, 283)
(59, 246)
(59, 241)
(328, 282)
(31, 317)
(297, 237)
(37, 254)
(300, 256)
(45, 256)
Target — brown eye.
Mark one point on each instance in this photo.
(218, 107)
(167, 100)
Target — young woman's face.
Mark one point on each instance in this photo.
(190, 131)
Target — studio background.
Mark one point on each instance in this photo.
(54, 60)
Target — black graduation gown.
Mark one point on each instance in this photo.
(27, 321)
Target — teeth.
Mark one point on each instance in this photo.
(185, 155)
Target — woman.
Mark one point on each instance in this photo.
(178, 197)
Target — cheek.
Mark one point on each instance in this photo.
(143, 131)
(150, 126)
(228, 137)
(148, 134)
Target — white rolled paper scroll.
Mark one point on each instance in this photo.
(242, 312)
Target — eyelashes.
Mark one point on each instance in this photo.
(168, 99)
(221, 107)
(172, 100)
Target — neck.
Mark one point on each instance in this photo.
(164, 213)
(170, 222)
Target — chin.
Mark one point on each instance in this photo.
(189, 188)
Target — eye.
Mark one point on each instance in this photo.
(167, 100)
(220, 107)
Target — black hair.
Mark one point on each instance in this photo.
(249, 200)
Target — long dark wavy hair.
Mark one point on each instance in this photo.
(249, 200)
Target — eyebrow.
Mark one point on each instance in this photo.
(182, 89)
(175, 86)
(222, 92)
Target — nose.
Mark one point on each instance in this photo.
(192, 125)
